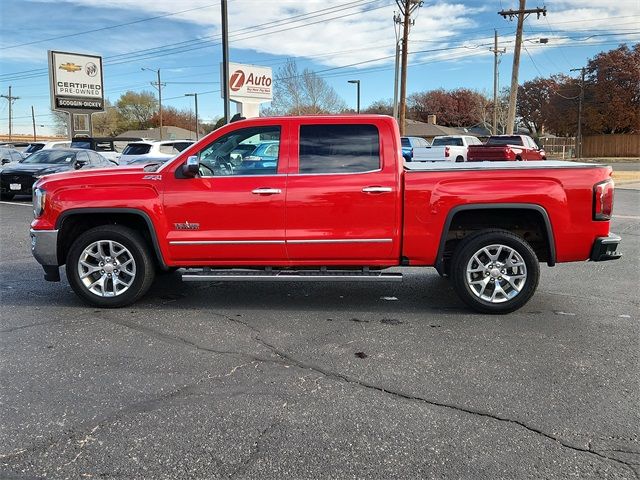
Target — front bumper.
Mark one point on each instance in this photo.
(44, 247)
(606, 248)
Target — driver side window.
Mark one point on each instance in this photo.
(246, 151)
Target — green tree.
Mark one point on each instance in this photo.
(137, 109)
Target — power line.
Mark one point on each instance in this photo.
(194, 44)
(108, 27)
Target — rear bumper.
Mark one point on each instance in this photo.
(44, 247)
(606, 248)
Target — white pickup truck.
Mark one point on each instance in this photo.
(449, 148)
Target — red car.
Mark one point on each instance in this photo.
(336, 204)
(506, 147)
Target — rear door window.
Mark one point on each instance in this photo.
(136, 149)
(339, 148)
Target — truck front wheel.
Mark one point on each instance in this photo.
(110, 266)
(494, 271)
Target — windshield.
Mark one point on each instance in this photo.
(136, 149)
(51, 156)
(80, 144)
(33, 147)
(507, 140)
(444, 141)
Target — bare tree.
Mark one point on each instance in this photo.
(303, 93)
(60, 122)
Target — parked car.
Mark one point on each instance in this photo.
(413, 146)
(37, 146)
(18, 179)
(108, 147)
(264, 155)
(10, 155)
(446, 148)
(506, 147)
(167, 149)
(19, 146)
(338, 206)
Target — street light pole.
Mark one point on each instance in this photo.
(195, 96)
(225, 59)
(357, 82)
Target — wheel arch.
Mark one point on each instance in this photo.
(73, 222)
(457, 222)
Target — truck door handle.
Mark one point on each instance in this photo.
(377, 189)
(266, 191)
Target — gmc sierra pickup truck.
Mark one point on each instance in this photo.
(335, 203)
(506, 147)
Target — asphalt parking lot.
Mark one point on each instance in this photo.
(321, 381)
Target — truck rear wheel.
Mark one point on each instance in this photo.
(110, 266)
(494, 271)
(459, 159)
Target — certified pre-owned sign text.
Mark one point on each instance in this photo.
(78, 88)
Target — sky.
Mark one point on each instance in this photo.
(340, 40)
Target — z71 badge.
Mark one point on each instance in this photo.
(187, 226)
(152, 177)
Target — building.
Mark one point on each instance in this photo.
(168, 133)
(430, 129)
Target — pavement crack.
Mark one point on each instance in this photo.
(345, 378)
(255, 451)
(286, 359)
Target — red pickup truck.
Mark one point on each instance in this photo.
(332, 202)
(506, 148)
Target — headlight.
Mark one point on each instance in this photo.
(39, 198)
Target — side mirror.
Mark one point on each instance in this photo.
(191, 168)
(79, 164)
(5, 161)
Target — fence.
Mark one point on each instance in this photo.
(559, 147)
(627, 145)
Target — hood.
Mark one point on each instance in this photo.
(94, 175)
(35, 168)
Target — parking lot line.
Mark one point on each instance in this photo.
(628, 217)
(16, 203)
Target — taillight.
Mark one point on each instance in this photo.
(446, 151)
(603, 200)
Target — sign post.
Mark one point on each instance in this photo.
(249, 86)
(76, 83)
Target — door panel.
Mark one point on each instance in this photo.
(343, 214)
(233, 213)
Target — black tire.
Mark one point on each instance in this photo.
(518, 158)
(471, 245)
(133, 241)
(459, 159)
(7, 196)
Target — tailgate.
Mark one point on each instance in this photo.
(429, 154)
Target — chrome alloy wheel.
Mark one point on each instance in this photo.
(496, 273)
(106, 268)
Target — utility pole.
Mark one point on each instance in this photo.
(33, 119)
(225, 60)
(11, 99)
(521, 13)
(496, 61)
(159, 86)
(397, 20)
(579, 137)
(407, 7)
(195, 96)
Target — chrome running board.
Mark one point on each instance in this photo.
(272, 275)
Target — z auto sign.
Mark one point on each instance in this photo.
(248, 82)
(76, 81)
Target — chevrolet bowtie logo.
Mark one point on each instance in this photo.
(70, 67)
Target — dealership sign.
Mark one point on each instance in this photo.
(250, 82)
(76, 81)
